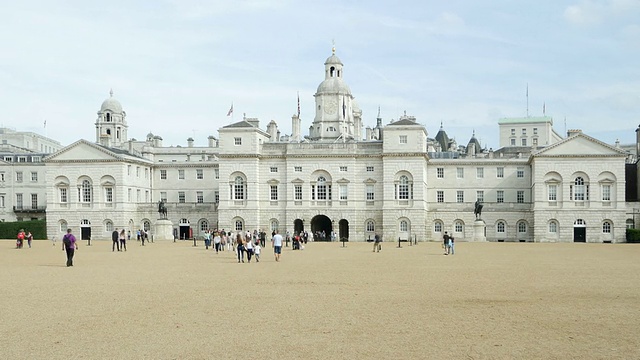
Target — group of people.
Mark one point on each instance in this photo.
(21, 237)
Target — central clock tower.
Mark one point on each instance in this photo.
(334, 115)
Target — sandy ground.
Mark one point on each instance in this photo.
(175, 301)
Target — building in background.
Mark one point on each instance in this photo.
(394, 179)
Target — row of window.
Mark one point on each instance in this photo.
(524, 131)
(20, 201)
(523, 142)
(182, 197)
(20, 176)
(146, 171)
(181, 174)
(85, 194)
(22, 159)
(479, 172)
(274, 169)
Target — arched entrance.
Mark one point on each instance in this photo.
(85, 229)
(343, 235)
(579, 231)
(298, 226)
(321, 228)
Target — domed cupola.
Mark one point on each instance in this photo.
(111, 125)
(334, 105)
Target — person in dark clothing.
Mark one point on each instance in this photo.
(70, 245)
(115, 239)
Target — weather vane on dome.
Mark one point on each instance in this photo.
(111, 93)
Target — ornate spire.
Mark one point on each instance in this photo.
(111, 93)
(333, 47)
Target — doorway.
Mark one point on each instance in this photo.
(85, 229)
(580, 231)
(321, 228)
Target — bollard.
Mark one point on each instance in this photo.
(194, 241)
(399, 245)
(415, 239)
(88, 240)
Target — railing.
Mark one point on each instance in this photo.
(29, 209)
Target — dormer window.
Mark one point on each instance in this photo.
(108, 117)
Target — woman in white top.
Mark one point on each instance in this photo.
(216, 241)
(249, 247)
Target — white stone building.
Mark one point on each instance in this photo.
(395, 180)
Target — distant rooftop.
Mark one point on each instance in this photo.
(528, 119)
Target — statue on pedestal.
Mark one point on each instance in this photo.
(477, 210)
(162, 209)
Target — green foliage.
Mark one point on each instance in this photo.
(9, 230)
(633, 236)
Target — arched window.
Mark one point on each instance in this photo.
(437, 226)
(522, 227)
(321, 188)
(500, 227)
(237, 189)
(579, 190)
(238, 225)
(553, 226)
(86, 191)
(404, 225)
(146, 225)
(63, 226)
(108, 117)
(204, 225)
(606, 227)
(403, 188)
(458, 226)
(370, 226)
(630, 224)
(108, 226)
(275, 225)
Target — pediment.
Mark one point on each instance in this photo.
(580, 145)
(83, 150)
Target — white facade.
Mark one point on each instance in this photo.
(395, 181)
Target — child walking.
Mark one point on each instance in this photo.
(256, 251)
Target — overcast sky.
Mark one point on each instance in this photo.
(177, 65)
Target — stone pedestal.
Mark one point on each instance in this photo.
(478, 230)
(163, 230)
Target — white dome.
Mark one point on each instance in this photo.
(333, 59)
(111, 104)
(333, 85)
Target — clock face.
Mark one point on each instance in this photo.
(331, 106)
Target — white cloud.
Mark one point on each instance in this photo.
(586, 13)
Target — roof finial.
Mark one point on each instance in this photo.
(111, 93)
(378, 111)
(440, 124)
(333, 46)
(474, 133)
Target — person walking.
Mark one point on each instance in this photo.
(69, 245)
(451, 245)
(376, 243)
(445, 243)
(249, 247)
(256, 251)
(276, 241)
(29, 238)
(240, 246)
(123, 240)
(114, 240)
(20, 239)
(217, 241)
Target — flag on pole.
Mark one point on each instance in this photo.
(298, 104)
(230, 110)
